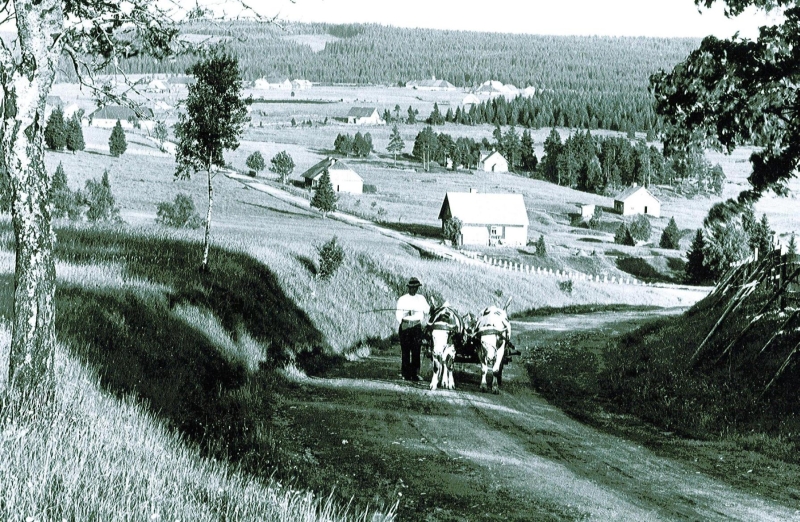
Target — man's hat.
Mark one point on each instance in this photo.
(414, 282)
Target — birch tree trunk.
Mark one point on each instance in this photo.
(207, 237)
(26, 81)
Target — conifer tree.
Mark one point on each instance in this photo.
(697, 273)
(55, 131)
(65, 201)
(100, 200)
(117, 144)
(324, 197)
(74, 135)
(412, 115)
(671, 236)
(623, 236)
(541, 249)
(396, 143)
(791, 248)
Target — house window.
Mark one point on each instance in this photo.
(496, 231)
(645, 209)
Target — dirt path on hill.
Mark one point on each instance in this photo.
(469, 456)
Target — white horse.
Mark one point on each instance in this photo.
(493, 330)
(446, 331)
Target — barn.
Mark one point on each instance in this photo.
(364, 116)
(487, 219)
(493, 162)
(637, 200)
(107, 117)
(343, 178)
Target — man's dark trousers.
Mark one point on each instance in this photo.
(410, 343)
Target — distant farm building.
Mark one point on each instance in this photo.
(431, 85)
(107, 117)
(487, 219)
(343, 178)
(272, 83)
(469, 101)
(637, 200)
(364, 116)
(300, 85)
(495, 88)
(493, 162)
(54, 101)
(180, 81)
(157, 86)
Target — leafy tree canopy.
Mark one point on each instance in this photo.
(739, 91)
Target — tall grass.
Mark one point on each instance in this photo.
(89, 456)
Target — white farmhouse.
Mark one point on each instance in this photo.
(106, 117)
(343, 178)
(487, 219)
(637, 200)
(364, 116)
(493, 162)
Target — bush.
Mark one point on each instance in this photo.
(452, 230)
(331, 257)
(594, 221)
(98, 197)
(623, 236)
(640, 228)
(566, 286)
(370, 189)
(181, 213)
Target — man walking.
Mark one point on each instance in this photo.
(411, 310)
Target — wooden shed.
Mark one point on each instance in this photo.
(637, 200)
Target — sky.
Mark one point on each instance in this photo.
(663, 18)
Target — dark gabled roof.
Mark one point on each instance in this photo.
(329, 164)
(630, 191)
(361, 112)
(120, 112)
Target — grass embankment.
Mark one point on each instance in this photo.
(170, 381)
(714, 415)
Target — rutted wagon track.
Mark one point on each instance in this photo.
(467, 455)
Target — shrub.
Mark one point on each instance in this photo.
(98, 197)
(331, 257)
(370, 189)
(671, 236)
(117, 144)
(594, 221)
(640, 228)
(566, 286)
(66, 202)
(181, 213)
(452, 230)
(623, 236)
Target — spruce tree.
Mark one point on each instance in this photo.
(697, 272)
(541, 249)
(671, 236)
(74, 135)
(791, 248)
(65, 201)
(324, 197)
(55, 132)
(396, 143)
(623, 236)
(100, 200)
(117, 144)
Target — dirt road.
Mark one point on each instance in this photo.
(467, 455)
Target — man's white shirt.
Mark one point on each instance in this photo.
(411, 309)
